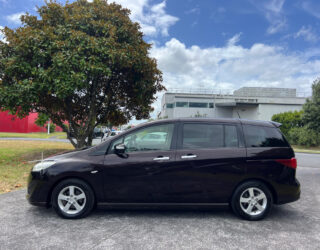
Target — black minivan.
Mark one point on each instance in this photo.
(173, 163)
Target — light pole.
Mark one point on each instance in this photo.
(49, 127)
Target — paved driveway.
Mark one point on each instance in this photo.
(291, 226)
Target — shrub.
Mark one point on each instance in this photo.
(52, 128)
(289, 120)
(304, 137)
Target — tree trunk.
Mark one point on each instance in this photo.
(81, 142)
(89, 141)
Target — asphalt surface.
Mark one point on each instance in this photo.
(291, 226)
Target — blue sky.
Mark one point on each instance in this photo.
(218, 44)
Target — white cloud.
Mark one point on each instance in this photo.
(307, 34)
(14, 18)
(277, 26)
(234, 40)
(311, 8)
(153, 18)
(274, 5)
(2, 39)
(195, 10)
(233, 66)
(273, 12)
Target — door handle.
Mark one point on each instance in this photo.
(161, 158)
(188, 156)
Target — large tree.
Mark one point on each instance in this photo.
(311, 116)
(81, 64)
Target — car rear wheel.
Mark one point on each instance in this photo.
(72, 199)
(252, 200)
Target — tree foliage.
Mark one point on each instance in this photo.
(289, 120)
(42, 119)
(304, 137)
(80, 63)
(311, 108)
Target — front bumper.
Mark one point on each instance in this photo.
(38, 192)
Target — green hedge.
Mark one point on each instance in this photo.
(303, 137)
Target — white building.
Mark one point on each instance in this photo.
(255, 103)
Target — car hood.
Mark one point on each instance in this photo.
(69, 154)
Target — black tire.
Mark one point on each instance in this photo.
(240, 207)
(87, 203)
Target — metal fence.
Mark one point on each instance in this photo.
(227, 92)
(202, 91)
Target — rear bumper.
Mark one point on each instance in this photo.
(289, 193)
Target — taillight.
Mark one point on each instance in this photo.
(291, 163)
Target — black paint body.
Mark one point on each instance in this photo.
(136, 179)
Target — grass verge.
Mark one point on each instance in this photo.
(58, 135)
(301, 149)
(14, 157)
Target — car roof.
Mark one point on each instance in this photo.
(219, 120)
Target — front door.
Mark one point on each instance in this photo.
(129, 178)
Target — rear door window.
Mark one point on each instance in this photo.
(199, 135)
(231, 136)
(258, 136)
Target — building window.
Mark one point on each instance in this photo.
(198, 104)
(169, 105)
(182, 104)
(211, 105)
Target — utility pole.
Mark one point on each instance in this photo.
(49, 127)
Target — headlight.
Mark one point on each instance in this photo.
(42, 165)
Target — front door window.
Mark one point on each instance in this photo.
(153, 138)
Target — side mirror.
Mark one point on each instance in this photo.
(120, 148)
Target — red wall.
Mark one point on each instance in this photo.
(10, 123)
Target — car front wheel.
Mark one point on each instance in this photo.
(72, 199)
(252, 200)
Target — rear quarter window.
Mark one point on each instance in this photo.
(259, 136)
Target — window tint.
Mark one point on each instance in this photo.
(231, 136)
(202, 136)
(151, 138)
(197, 135)
(198, 105)
(257, 136)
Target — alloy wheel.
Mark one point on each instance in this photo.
(71, 200)
(253, 201)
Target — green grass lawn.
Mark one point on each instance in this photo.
(302, 149)
(58, 135)
(14, 157)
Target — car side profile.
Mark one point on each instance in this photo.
(180, 162)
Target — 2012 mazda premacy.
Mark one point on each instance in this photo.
(181, 162)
